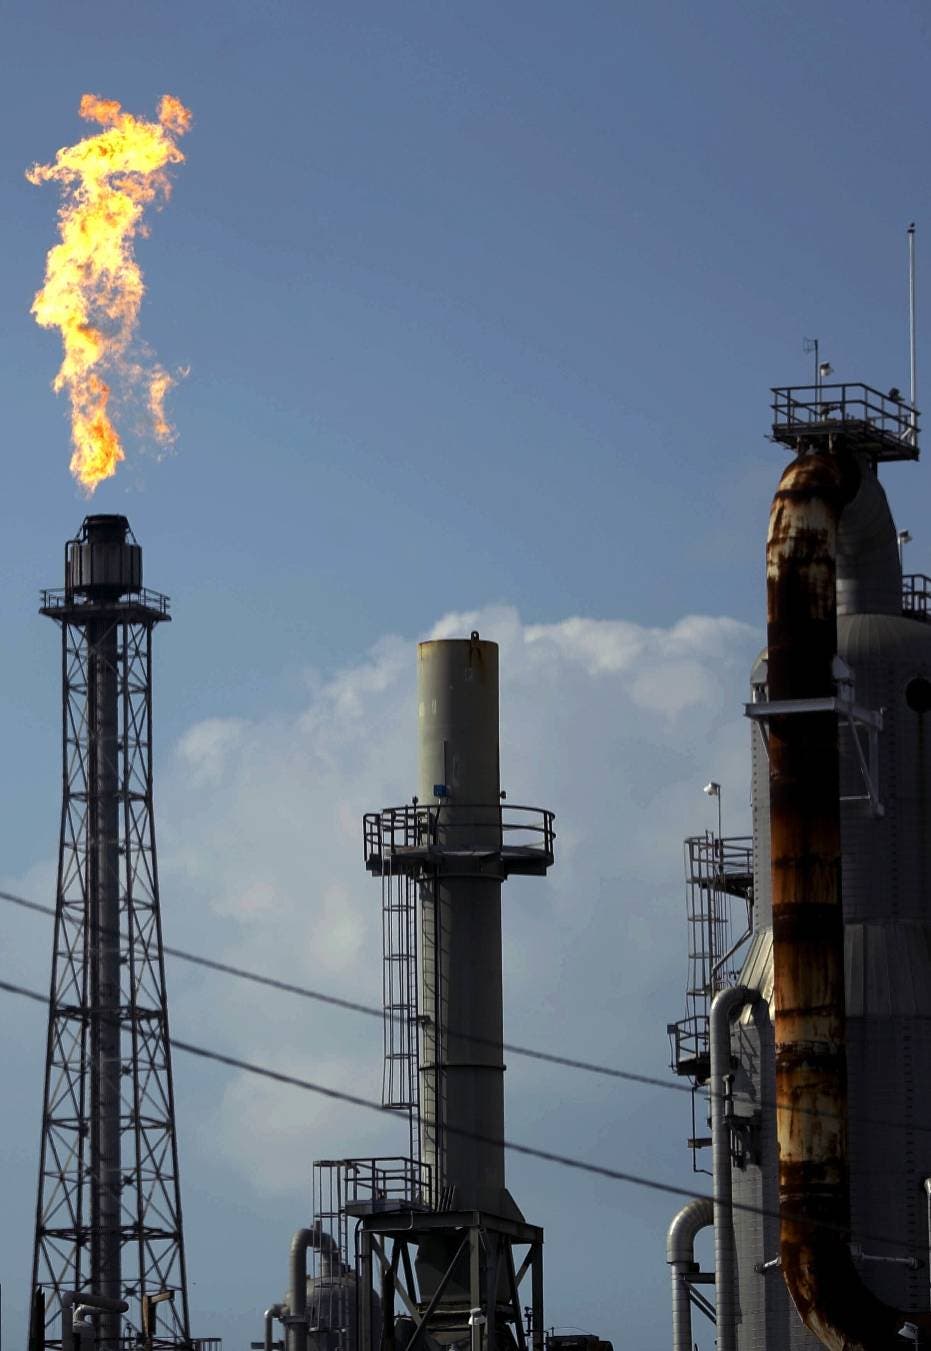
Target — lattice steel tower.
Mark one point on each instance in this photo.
(108, 1219)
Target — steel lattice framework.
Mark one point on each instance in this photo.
(108, 1217)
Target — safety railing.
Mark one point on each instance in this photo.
(429, 829)
(884, 425)
(63, 599)
(719, 897)
(916, 595)
(344, 1187)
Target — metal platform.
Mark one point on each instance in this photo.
(416, 1224)
(136, 607)
(422, 838)
(882, 426)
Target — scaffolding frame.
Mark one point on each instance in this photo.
(719, 912)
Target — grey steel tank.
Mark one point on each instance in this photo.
(332, 1312)
(886, 871)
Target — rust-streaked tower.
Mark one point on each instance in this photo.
(108, 1219)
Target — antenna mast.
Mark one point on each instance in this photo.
(912, 348)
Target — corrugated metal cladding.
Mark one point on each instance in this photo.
(887, 910)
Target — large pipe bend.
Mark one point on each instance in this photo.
(808, 931)
(271, 1313)
(295, 1320)
(680, 1254)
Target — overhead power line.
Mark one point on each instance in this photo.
(548, 1057)
(353, 1006)
(513, 1146)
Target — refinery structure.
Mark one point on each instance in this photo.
(806, 1037)
(807, 1027)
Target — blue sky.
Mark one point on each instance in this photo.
(481, 305)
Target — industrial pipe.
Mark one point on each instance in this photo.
(296, 1319)
(928, 1196)
(104, 901)
(331, 1264)
(271, 1313)
(100, 567)
(724, 1008)
(77, 1302)
(680, 1254)
(331, 1261)
(808, 931)
(83, 1332)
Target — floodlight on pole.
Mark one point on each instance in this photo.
(713, 789)
(903, 537)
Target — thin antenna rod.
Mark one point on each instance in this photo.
(912, 349)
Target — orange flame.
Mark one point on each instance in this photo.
(93, 285)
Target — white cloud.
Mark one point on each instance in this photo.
(207, 746)
(614, 725)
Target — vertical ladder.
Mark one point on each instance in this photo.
(401, 1030)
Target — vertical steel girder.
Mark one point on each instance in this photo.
(108, 1215)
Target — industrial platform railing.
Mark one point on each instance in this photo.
(364, 1186)
(417, 835)
(884, 426)
(61, 599)
(916, 595)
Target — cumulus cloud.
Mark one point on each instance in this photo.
(614, 725)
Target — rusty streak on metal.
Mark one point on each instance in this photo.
(811, 1060)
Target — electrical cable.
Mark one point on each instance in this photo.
(565, 1062)
(336, 1001)
(513, 1146)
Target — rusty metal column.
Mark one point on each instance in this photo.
(811, 1070)
(462, 1072)
(808, 928)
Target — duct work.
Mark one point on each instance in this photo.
(808, 928)
(724, 1009)
(680, 1254)
(818, 1095)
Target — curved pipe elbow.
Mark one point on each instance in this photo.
(87, 1298)
(297, 1271)
(685, 1228)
